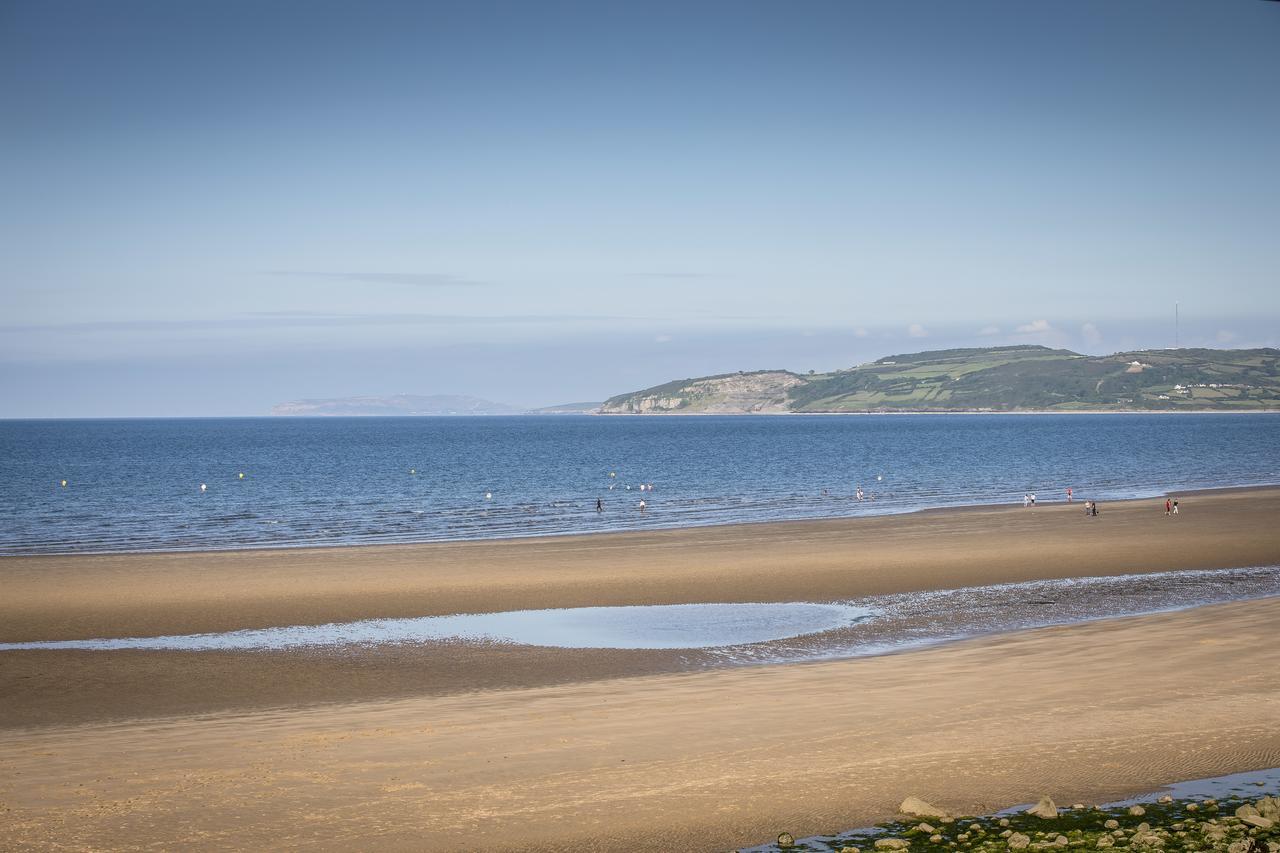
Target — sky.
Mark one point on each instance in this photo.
(207, 208)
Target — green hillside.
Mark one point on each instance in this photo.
(1016, 378)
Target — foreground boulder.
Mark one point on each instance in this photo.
(1045, 809)
(917, 807)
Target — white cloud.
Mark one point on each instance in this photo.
(1226, 336)
(1035, 327)
(915, 330)
(662, 339)
(987, 331)
(859, 332)
(1090, 333)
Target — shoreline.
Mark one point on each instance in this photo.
(714, 525)
(118, 596)
(52, 597)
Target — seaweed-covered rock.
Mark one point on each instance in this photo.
(1018, 841)
(892, 844)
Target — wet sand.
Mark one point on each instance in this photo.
(704, 761)
(474, 747)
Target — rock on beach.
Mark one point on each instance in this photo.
(1045, 809)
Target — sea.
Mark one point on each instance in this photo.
(136, 485)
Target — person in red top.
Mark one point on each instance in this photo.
(1068, 494)
(1168, 506)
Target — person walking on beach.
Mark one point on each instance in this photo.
(1168, 507)
(1093, 509)
(1068, 494)
(1175, 506)
(1026, 500)
(1033, 498)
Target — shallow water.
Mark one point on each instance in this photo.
(134, 485)
(727, 634)
(674, 626)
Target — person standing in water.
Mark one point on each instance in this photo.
(642, 505)
(599, 505)
(1068, 494)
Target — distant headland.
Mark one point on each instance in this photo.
(985, 379)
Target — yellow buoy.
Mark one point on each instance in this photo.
(64, 484)
(241, 475)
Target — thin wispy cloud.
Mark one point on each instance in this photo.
(671, 274)
(415, 279)
(988, 331)
(1091, 333)
(305, 319)
(915, 330)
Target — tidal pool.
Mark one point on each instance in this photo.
(670, 626)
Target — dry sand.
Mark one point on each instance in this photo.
(602, 755)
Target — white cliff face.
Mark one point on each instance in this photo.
(743, 393)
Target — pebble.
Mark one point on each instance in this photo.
(1018, 841)
(892, 844)
(1137, 811)
(936, 839)
(1112, 824)
(1165, 799)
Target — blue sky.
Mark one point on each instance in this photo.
(212, 207)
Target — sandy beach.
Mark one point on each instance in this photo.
(475, 747)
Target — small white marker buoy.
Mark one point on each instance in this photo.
(488, 496)
(203, 487)
(413, 470)
(613, 474)
(64, 484)
(241, 475)
(879, 476)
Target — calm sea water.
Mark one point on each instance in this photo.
(134, 485)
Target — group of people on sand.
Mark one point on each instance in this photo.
(1090, 507)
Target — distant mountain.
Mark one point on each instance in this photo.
(998, 379)
(399, 404)
(568, 409)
